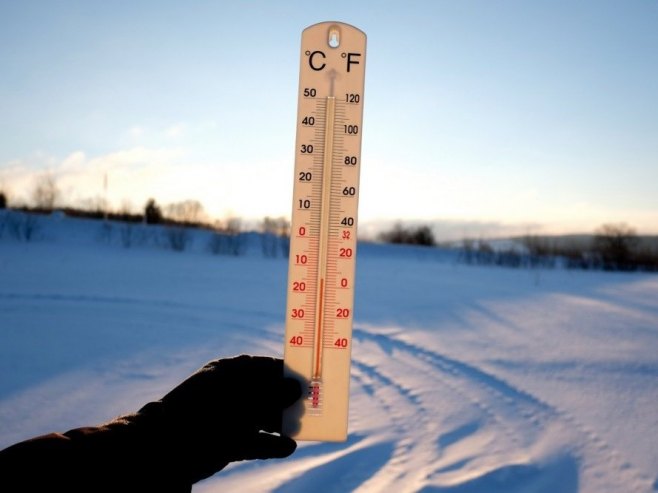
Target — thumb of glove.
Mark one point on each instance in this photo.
(263, 445)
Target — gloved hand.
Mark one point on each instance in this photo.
(224, 412)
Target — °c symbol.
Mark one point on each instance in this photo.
(307, 53)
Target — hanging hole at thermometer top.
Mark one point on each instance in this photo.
(334, 37)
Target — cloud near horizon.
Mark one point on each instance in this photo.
(136, 174)
(169, 174)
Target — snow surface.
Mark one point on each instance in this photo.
(464, 379)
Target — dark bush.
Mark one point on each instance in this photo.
(420, 235)
(152, 213)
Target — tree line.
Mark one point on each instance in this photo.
(615, 247)
(612, 247)
(175, 222)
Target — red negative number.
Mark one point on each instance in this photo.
(301, 259)
(297, 313)
(296, 340)
(299, 286)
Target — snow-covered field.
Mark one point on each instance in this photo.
(465, 379)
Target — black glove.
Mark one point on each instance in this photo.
(224, 412)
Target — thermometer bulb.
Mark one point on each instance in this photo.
(315, 396)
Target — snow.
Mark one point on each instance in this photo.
(464, 378)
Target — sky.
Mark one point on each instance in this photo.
(480, 117)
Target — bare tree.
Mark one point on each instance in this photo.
(614, 245)
(540, 251)
(283, 231)
(275, 235)
(23, 226)
(184, 214)
(96, 204)
(467, 253)
(178, 238)
(126, 208)
(268, 229)
(127, 234)
(188, 211)
(45, 194)
(233, 225)
(228, 238)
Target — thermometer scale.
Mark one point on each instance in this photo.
(318, 336)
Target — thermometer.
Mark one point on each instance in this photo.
(318, 337)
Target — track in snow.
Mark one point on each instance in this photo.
(424, 421)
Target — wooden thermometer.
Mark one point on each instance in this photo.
(318, 340)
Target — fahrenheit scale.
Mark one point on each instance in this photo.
(318, 339)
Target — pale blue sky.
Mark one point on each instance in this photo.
(539, 116)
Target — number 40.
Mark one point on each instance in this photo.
(341, 343)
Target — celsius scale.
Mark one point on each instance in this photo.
(320, 295)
